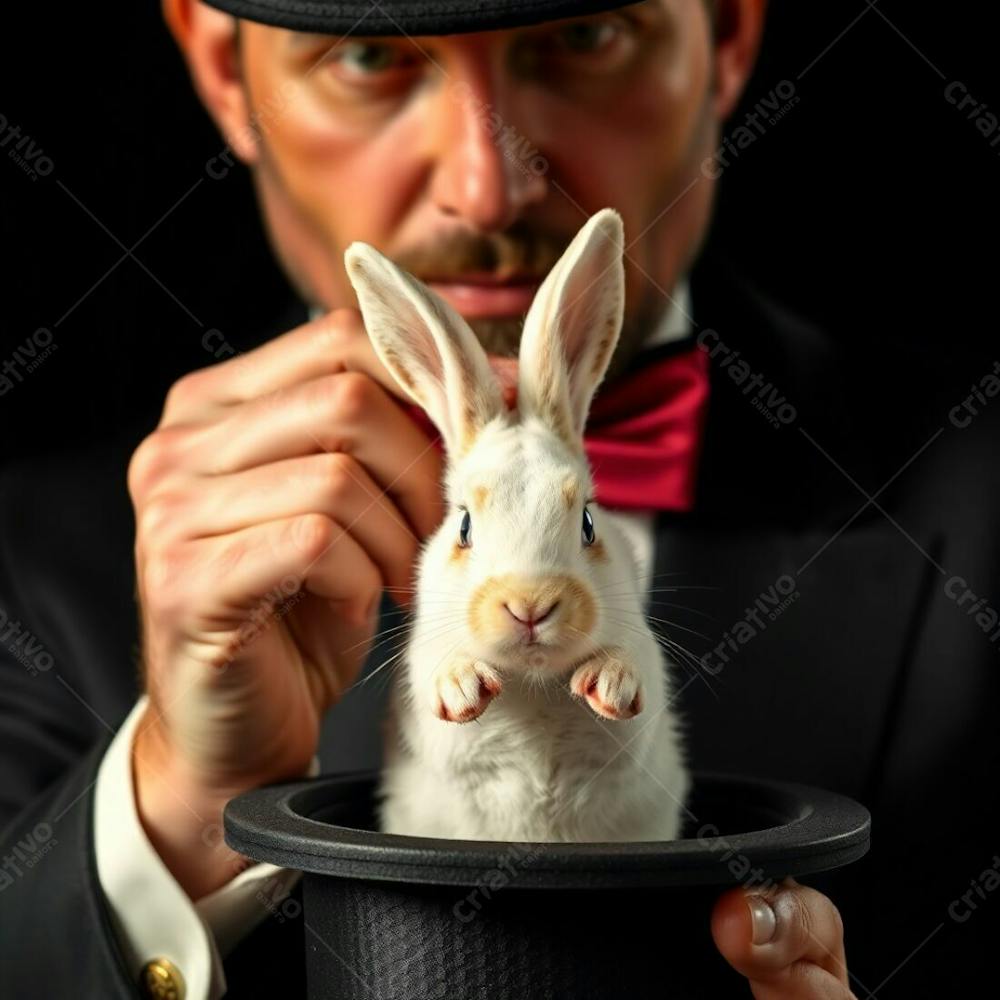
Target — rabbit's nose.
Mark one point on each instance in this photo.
(527, 613)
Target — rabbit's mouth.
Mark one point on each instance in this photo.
(543, 655)
(543, 617)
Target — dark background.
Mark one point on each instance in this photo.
(871, 206)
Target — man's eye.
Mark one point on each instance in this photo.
(358, 58)
(593, 47)
(587, 36)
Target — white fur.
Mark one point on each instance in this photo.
(537, 764)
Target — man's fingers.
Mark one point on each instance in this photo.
(337, 413)
(271, 561)
(802, 981)
(332, 343)
(331, 484)
(799, 949)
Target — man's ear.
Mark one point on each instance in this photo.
(208, 40)
(738, 27)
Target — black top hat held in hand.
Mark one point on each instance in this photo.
(410, 917)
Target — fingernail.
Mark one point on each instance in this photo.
(765, 923)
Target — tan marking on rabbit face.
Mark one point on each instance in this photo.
(574, 617)
(480, 494)
(458, 553)
(570, 492)
(597, 551)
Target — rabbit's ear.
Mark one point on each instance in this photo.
(430, 350)
(573, 326)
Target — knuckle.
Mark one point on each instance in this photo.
(338, 405)
(162, 575)
(311, 535)
(183, 391)
(138, 469)
(337, 477)
(353, 394)
(154, 456)
(160, 516)
(335, 330)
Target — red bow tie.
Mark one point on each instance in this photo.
(644, 433)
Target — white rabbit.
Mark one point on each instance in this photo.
(528, 614)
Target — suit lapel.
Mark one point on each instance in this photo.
(814, 605)
(804, 651)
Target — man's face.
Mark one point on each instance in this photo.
(473, 159)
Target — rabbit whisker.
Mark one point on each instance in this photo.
(683, 656)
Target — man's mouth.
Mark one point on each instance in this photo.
(486, 296)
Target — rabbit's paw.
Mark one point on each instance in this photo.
(609, 684)
(464, 689)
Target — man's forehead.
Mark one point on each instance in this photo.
(407, 17)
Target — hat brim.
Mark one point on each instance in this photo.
(408, 17)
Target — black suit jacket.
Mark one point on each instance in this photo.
(857, 509)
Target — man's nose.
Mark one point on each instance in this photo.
(487, 171)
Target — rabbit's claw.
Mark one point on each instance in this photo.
(464, 689)
(609, 685)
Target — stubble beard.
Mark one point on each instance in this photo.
(502, 336)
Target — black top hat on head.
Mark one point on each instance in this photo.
(408, 17)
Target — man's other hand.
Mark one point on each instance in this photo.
(788, 941)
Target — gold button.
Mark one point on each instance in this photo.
(160, 979)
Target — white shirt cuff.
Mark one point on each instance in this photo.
(153, 915)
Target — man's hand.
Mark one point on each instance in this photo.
(799, 949)
(281, 491)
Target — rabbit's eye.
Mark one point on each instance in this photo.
(588, 527)
(465, 531)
